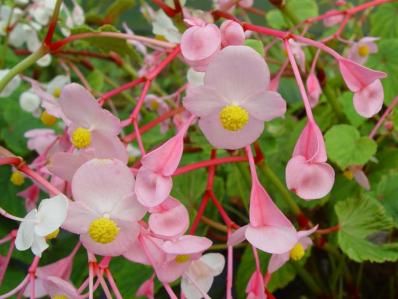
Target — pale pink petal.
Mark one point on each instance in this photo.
(277, 261)
(275, 240)
(265, 105)
(128, 209)
(361, 179)
(56, 286)
(127, 234)
(237, 236)
(357, 76)
(186, 245)
(237, 72)
(369, 100)
(146, 289)
(222, 138)
(172, 222)
(232, 33)
(108, 146)
(64, 165)
(61, 268)
(190, 290)
(203, 101)
(309, 180)
(79, 217)
(263, 211)
(152, 188)
(79, 106)
(311, 144)
(255, 288)
(102, 183)
(40, 291)
(314, 89)
(171, 270)
(306, 233)
(107, 123)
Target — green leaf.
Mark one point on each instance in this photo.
(106, 44)
(363, 222)
(117, 8)
(385, 60)
(303, 9)
(345, 147)
(387, 194)
(275, 19)
(96, 80)
(255, 45)
(384, 21)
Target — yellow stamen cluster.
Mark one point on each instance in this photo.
(182, 258)
(233, 117)
(47, 118)
(60, 297)
(348, 174)
(363, 50)
(57, 92)
(17, 178)
(53, 235)
(81, 138)
(154, 105)
(103, 230)
(297, 252)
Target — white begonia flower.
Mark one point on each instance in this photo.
(41, 222)
(11, 86)
(164, 26)
(44, 61)
(76, 18)
(23, 33)
(42, 10)
(54, 87)
(29, 101)
(195, 78)
(202, 272)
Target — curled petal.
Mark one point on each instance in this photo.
(369, 100)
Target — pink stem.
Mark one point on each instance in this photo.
(118, 90)
(256, 259)
(113, 284)
(47, 185)
(139, 139)
(230, 269)
(137, 108)
(299, 82)
(91, 280)
(383, 117)
(103, 284)
(7, 260)
(169, 290)
(32, 285)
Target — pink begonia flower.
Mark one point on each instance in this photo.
(31, 196)
(146, 289)
(369, 100)
(54, 287)
(61, 269)
(298, 251)
(360, 50)
(269, 230)
(169, 219)
(298, 53)
(41, 222)
(199, 44)
(91, 126)
(234, 101)
(255, 288)
(40, 139)
(154, 180)
(357, 76)
(232, 34)
(313, 89)
(159, 105)
(105, 211)
(307, 173)
(228, 5)
(201, 274)
(358, 174)
(333, 20)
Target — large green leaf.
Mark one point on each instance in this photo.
(345, 147)
(300, 10)
(363, 222)
(353, 117)
(384, 21)
(387, 194)
(385, 60)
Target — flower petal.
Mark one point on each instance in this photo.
(79, 217)
(26, 231)
(51, 214)
(276, 261)
(215, 261)
(203, 101)
(108, 146)
(369, 100)
(265, 105)
(187, 244)
(237, 236)
(237, 72)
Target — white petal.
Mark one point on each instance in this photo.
(215, 261)
(25, 234)
(39, 245)
(52, 213)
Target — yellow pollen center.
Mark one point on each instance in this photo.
(57, 92)
(363, 50)
(17, 178)
(348, 174)
(297, 252)
(60, 297)
(154, 105)
(103, 230)
(53, 235)
(182, 258)
(233, 117)
(81, 138)
(47, 118)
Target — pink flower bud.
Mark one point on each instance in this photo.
(314, 89)
(232, 34)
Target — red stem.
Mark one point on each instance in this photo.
(120, 89)
(167, 9)
(328, 230)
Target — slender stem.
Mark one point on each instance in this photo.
(328, 230)
(139, 140)
(17, 289)
(383, 117)
(23, 65)
(120, 89)
(113, 284)
(53, 23)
